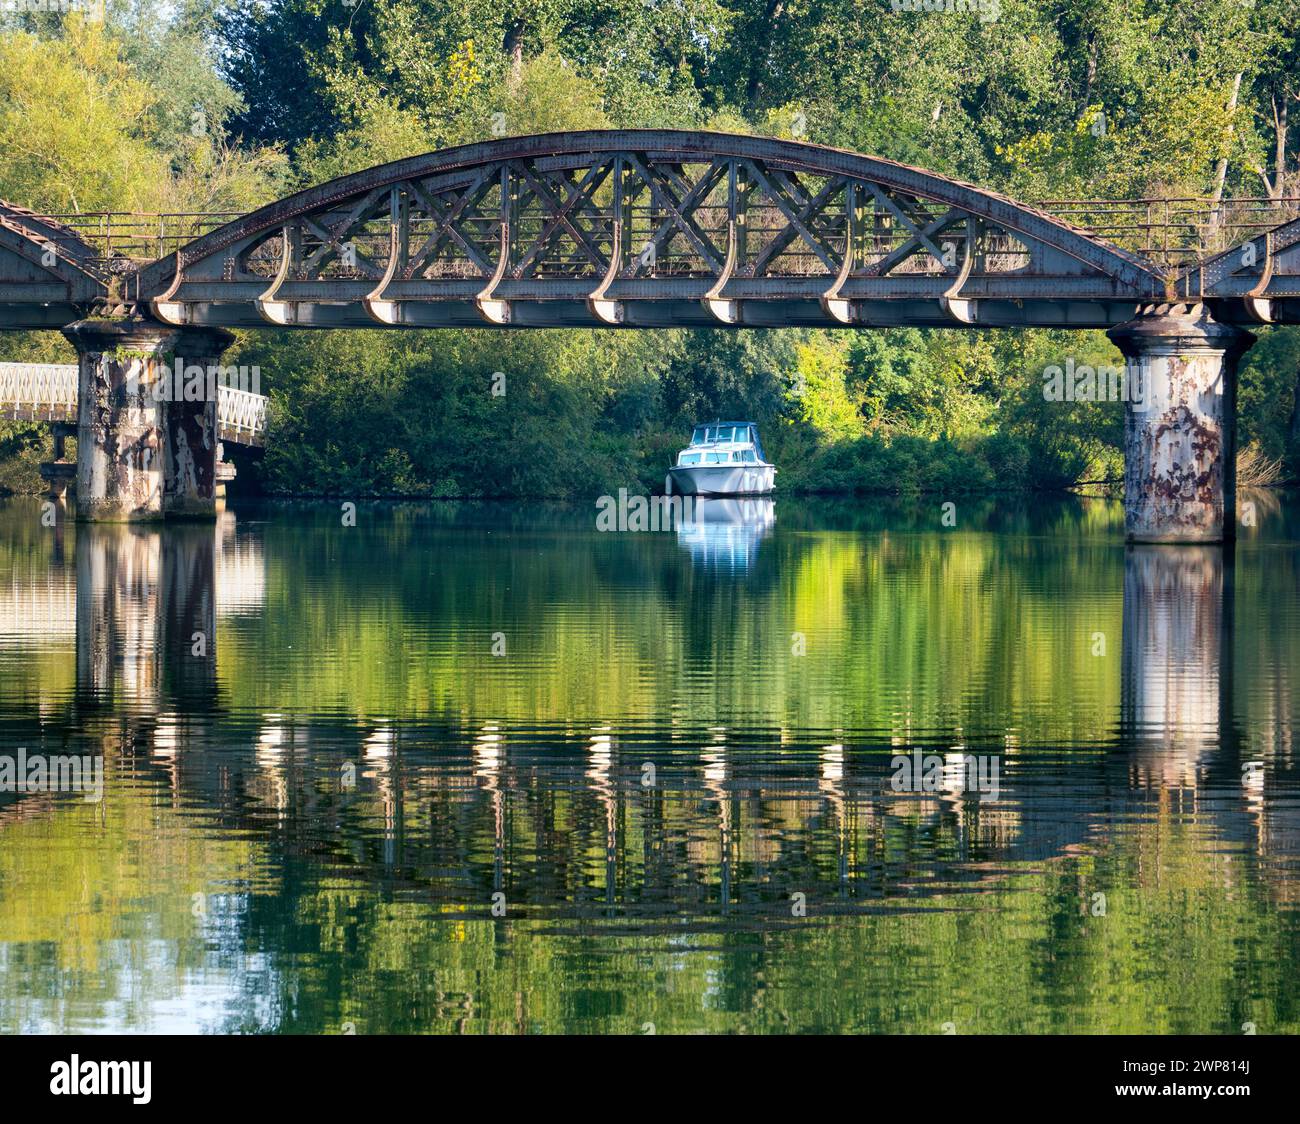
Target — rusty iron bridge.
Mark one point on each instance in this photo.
(668, 228)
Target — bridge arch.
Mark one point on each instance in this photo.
(647, 228)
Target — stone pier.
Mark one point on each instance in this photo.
(143, 451)
(1180, 425)
(192, 446)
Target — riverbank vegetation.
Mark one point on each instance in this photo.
(178, 107)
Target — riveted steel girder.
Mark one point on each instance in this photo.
(1257, 282)
(48, 275)
(646, 228)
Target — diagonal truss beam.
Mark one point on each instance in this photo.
(798, 223)
(448, 219)
(563, 215)
(333, 238)
(920, 237)
(679, 207)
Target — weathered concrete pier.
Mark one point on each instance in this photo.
(1180, 434)
(142, 454)
(145, 451)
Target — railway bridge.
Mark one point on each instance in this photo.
(636, 229)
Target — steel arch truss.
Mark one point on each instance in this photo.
(1257, 282)
(647, 229)
(49, 277)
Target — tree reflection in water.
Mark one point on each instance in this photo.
(308, 814)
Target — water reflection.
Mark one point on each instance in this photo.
(1176, 676)
(726, 533)
(146, 613)
(310, 727)
(146, 618)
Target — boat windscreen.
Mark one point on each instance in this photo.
(718, 434)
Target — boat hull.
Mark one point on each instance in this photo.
(721, 479)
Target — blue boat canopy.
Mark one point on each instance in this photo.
(742, 432)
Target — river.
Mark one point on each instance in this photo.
(815, 765)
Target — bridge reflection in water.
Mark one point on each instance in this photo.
(146, 613)
(1177, 669)
(435, 808)
(1179, 710)
(147, 610)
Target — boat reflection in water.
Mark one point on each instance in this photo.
(725, 533)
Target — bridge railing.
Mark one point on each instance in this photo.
(48, 392)
(39, 391)
(241, 416)
(1176, 232)
(140, 235)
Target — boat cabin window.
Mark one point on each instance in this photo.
(714, 434)
(689, 458)
(717, 434)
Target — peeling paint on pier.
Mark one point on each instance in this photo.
(119, 466)
(1180, 445)
(140, 456)
(191, 457)
(191, 431)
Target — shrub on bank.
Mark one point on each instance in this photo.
(23, 446)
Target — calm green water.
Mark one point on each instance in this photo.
(331, 752)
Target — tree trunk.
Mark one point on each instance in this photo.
(513, 45)
(1222, 174)
(1090, 75)
(1279, 150)
(754, 86)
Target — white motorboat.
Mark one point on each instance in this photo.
(723, 459)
